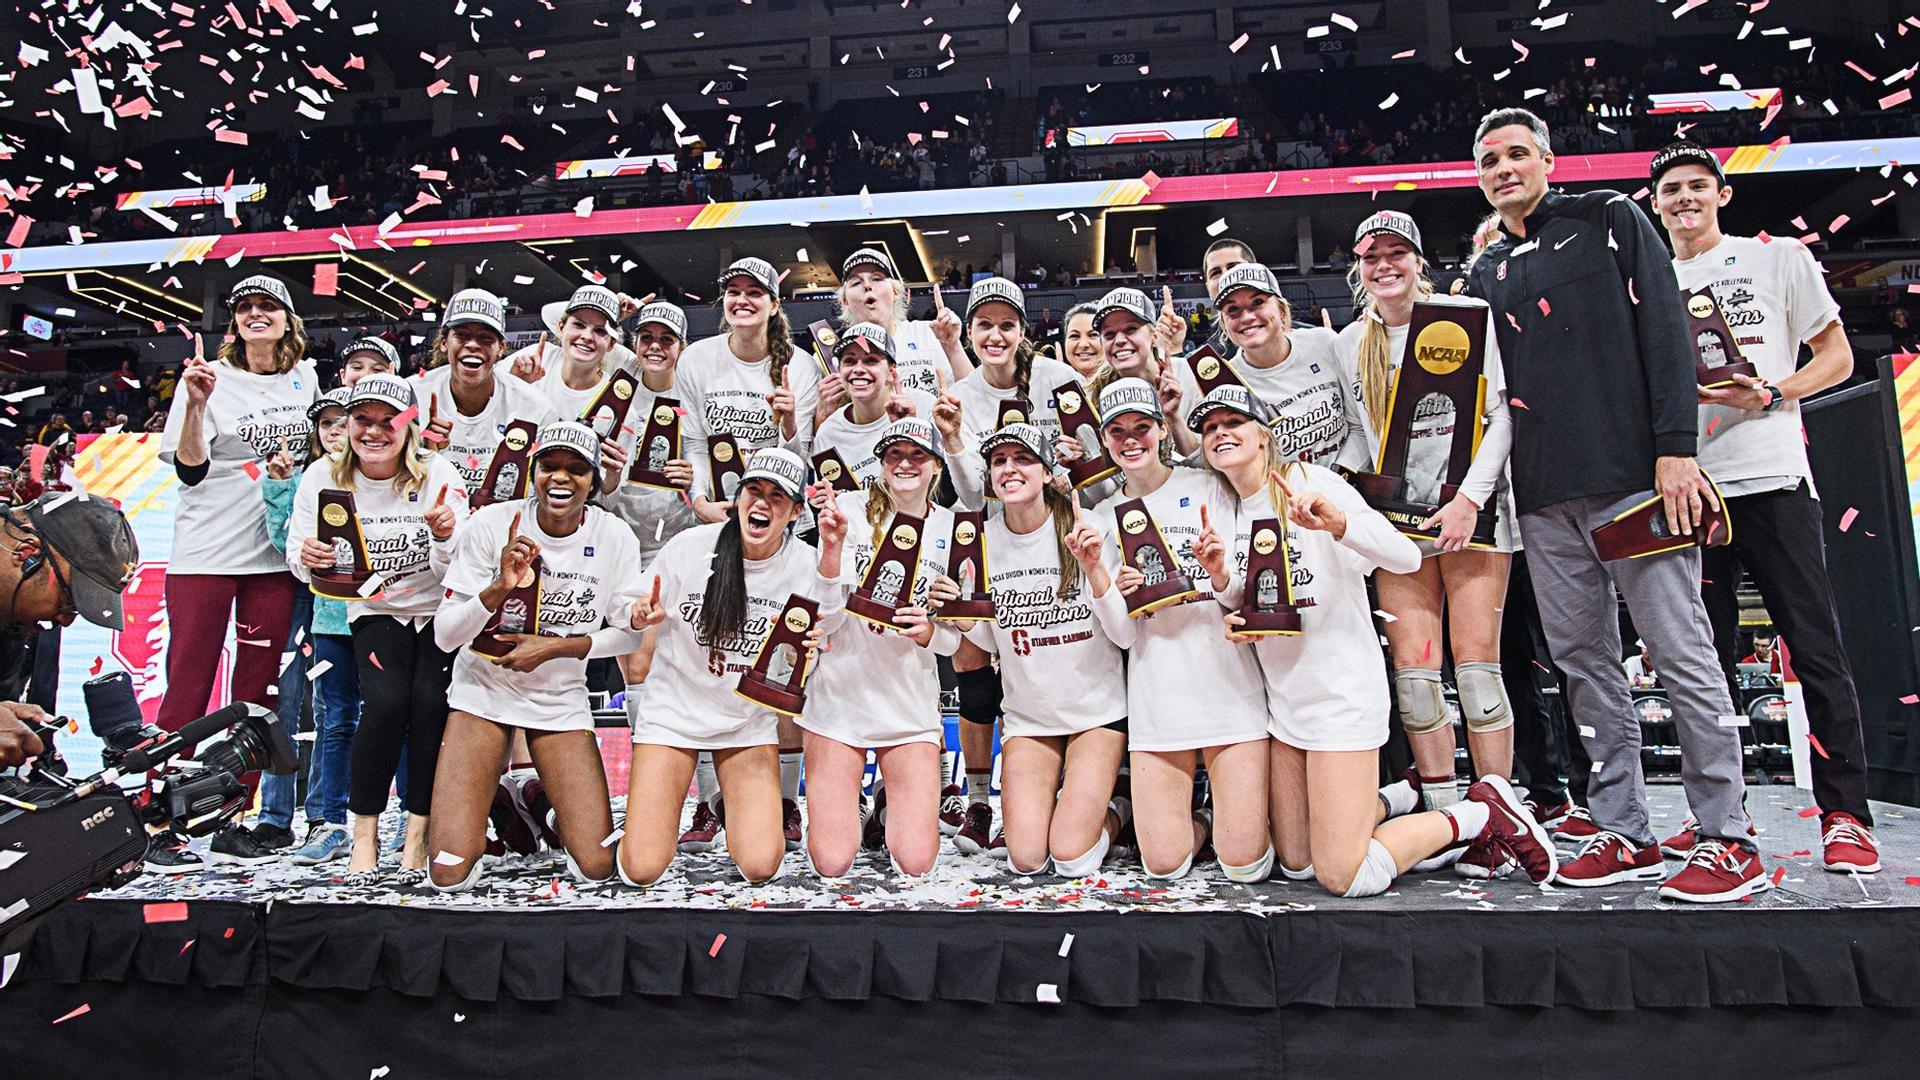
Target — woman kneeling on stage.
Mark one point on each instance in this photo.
(717, 592)
(1326, 687)
(537, 587)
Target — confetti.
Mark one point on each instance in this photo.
(1391, 100)
(718, 940)
(164, 912)
(447, 858)
(1219, 226)
(613, 837)
(1066, 944)
(1545, 308)
(1811, 811)
(1047, 993)
(81, 1011)
(1817, 748)
(1846, 519)
(326, 279)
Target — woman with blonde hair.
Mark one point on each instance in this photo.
(929, 353)
(409, 503)
(1465, 585)
(228, 417)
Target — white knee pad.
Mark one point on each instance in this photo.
(1178, 872)
(1376, 872)
(1418, 701)
(580, 875)
(1255, 871)
(1082, 865)
(1483, 697)
(473, 875)
(1305, 873)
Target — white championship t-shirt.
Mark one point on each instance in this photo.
(1327, 686)
(1187, 685)
(1319, 419)
(587, 580)
(405, 558)
(655, 515)
(1775, 299)
(874, 687)
(854, 442)
(1061, 673)
(726, 395)
(471, 443)
(220, 523)
(688, 699)
(920, 358)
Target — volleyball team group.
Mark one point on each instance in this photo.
(1104, 716)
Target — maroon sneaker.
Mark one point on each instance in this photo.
(1717, 873)
(1847, 846)
(1511, 830)
(997, 847)
(703, 834)
(1550, 817)
(526, 801)
(1680, 844)
(1484, 862)
(953, 809)
(513, 829)
(973, 835)
(1577, 826)
(1608, 859)
(790, 822)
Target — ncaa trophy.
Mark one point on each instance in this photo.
(778, 677)
(337, 525)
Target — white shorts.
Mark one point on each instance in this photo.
(1328, 730)
(874, 733)
(663, 732)
(1167, 734)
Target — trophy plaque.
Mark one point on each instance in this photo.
(832, 471)
(337, 525)
(1641, 529)
(825, 337)
(659, 443)
(1081, 420)
(1268, 608)
(1441, 368)
(724, 467)
(607, 413)
(1145, 549)
(508, 475)
(778, 677)
(1014, 410)
(519, 614)
(1210, 369)
(888, 583)
(967, 566)
(1716, 355)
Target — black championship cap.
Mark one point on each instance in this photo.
(93, 536)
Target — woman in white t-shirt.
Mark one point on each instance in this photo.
(877, 686)
(1326, 689)
(228, 416)
(580, 559)
(408, 502)
(1466, 586)
(570, 369)
(1296, 371)
(1190, 693)
(1080, 342)
(1065, 712)
(867, 383)
(871, 292)
(1133, 345)
(716, 593)
(467, 405)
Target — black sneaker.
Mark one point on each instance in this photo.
(234, 844)
(167, 854)
(271, 837)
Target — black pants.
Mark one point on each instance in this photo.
(403, 702)
(1778, 538)
(1544, 747)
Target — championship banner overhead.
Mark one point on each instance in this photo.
(1713, 101)
(598, 168)
(1157, 131)
(182, 198)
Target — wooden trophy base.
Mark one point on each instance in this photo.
(1387, 494)
(646, 478)
(758, 689)
(1151, 598)
(1718, 377)
(1088, 473)
(1283, 621)
(488, 645)
(337, 586)
(980, 610)
(864, 606)
(1641, 530)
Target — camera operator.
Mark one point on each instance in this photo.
(61, 556)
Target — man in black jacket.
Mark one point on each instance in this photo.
(1599, 366)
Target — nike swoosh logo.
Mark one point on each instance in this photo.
(1488, 711)
(1563, 243)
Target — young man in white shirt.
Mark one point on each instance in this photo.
(1775, 299)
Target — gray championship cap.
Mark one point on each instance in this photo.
(1124, 396)
(760, 271)
(1026, 436)
(874, 337)
(568, 435)
(261, 285)
(661, 313)
(1389, 223)
(378, 345)
(780, 465)
(596, 298)
(988, 290)
(476, 306)
(335, 398)
(911, 430)
(868, 256)
(1132, 301)
(385, 389)
(1232, 398)
(1246, 276)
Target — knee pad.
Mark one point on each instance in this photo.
(1305, 873)
(632, 705)
(473, 875)
(1376, 872)
(979, 695)
(580, 875)
(1178, 872)
(1483, 697)
(1417, 700)
(1088, 863)
(1255, 871)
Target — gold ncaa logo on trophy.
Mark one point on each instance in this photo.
(1442, 347)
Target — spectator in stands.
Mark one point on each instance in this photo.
(55, 431)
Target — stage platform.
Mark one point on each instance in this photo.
(976, 972)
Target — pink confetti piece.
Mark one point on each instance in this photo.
(81, 1011)
(17, 235)
(1817, 748)
(1631, 295)
(326, 279)
(1518, 404)
(175, 911)
(1811, 811)
(228, 135)
(252, 469)
(1846, 519)
(1898, 98)
(1910, 699)
(402, 419)
(718, 940)
(1545, 308)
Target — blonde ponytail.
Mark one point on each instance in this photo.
(1374, 363)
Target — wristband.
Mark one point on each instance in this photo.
(1775, 398)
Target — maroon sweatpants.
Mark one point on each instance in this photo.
(200, 607)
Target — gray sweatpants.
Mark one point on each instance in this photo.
(1575, 590)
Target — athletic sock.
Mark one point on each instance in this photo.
(979, 785)
(706, 782)
(790, 774)
(947, 761)
(520, 772)
(1399, 798)
(1468, 819)
(1440, 791)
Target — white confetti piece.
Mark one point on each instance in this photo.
(319, 669)
(1342, 21)
(613, 837)
(1586, 732)
(447, 858)
(1048, 993)
(1219, 226)
(459, 1018)
(1734, 721)
(1392, 100)
(8, 858)
(1066, 945)
(1012, 14)
(1238, 44)
(1387, 616)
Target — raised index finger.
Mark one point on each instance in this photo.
(656, 590)
(1205, 526)
(513, 527)
(939, 301)
(441, 499)
(1166, 296)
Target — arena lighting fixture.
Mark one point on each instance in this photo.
(131, 302)
(1100, 230)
